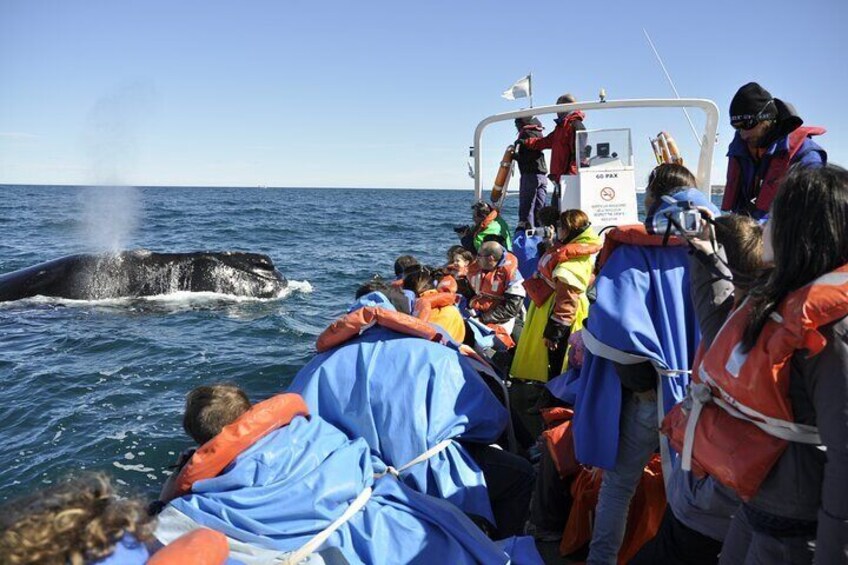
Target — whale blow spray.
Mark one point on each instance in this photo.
(111, 208)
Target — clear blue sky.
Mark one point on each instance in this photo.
(372, 94)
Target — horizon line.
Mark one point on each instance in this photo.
(262, 187)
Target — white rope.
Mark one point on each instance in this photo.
(312, 545)
(396, 471)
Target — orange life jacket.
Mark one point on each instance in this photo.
(634, 234)
(741, 419)
(643, 520)
(490, 217)
(448, 284)
(559, 438)
(214, 455)
(425, 303)
(354, 323)
(491, 286)
(198, 547)
(542, 285)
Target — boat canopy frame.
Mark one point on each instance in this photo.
(707, 141)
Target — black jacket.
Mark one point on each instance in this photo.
(530, 161)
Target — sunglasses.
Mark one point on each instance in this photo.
(748, 121)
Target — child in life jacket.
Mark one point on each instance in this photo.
(458, 261)
(435, 306)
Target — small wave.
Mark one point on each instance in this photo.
(180, 297)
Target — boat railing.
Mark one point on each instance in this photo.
(707, 140)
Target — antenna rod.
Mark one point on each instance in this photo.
(671, 82)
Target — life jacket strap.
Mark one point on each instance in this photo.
(702, 393)
(396, 471)
(783, 429)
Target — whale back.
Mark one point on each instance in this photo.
(145, 273)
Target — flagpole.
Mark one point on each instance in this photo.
(671, 82)
(530, 85)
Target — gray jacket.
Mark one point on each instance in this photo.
(705, 505)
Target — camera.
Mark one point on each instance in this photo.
(681, 218)
(545, 232)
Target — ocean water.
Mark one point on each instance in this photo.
(100, 385)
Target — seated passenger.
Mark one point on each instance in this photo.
(435, 306)
(497, 283)
(424, 409)
(487, 223)
(459, 259)
(282, 484)
(403, 265)
(83, 521)
(559, 304)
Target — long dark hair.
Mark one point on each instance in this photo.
(669, 178)
(809, 234)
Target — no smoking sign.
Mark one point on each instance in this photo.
(607, 193)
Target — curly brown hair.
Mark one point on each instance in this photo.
(74, 522)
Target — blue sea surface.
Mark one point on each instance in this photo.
(100, 385)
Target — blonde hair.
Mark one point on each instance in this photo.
(75, 522)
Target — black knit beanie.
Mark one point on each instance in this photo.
(752, 101)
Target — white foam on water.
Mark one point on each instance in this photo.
(140, 468)
(303, 287)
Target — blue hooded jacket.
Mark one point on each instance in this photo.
(294, 482)
(643, 307)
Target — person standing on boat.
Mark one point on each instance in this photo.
(777, 433)
(640, 339)
(561, 142)
(533, 187)
(769, 139)
(723, 266)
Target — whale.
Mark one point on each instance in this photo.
(138, 273)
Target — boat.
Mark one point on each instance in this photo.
(605, 185)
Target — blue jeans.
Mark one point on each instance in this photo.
(532, 196)
(637, 441)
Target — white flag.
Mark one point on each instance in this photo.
(521, 89)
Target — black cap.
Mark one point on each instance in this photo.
(752, 101)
